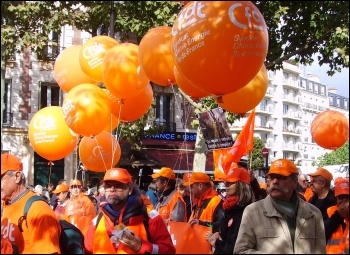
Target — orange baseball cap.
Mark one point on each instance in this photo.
(324, 173)
(283, 167)
(237, 174)
(117, 174)
(10, 162)
(341, 186)
(165, 172)
(194, 177)
(75, 182)
(61, 188)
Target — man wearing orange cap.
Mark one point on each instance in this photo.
(62, 193)
(207, 206)
(323, 197)
(35, 238)
(123, 225)
(238, 195)
(282, 222)
(338, 222)
(170, 204)
(79, 210)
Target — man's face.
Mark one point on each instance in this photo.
(160, 184)
(303, 181)
(117, 193)
(9, 184)
(281, 187)
(196, 190)
(317, 184)
(75, 190)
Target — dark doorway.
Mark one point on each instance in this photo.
(42, 174)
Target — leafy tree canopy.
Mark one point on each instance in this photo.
(336, 157)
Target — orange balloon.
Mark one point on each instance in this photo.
(49, 134)
(112, 123)
(187, 87)
(86, 109)
(330, 129)
(155, 56)
(99, 153)
(67, 70)
(93, 53)
(131, 109)
(121, 73)
(248, 97)
(219, 45)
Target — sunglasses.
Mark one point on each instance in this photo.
(75, 187)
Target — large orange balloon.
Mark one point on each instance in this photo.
(155, 56)
(131, 109)
(121, 73)
(99, 153)
(219, 45)
(67, 70)
(248, 97)
(330, 129)
(86, 109)
(49, 134)
(187, 87)
(93, 53)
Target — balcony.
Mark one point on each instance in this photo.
(7, 120)
(291, 83)
(295, 115)
(291, 131)
(292, 99)
(291, 147)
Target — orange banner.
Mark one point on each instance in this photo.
(189, 240)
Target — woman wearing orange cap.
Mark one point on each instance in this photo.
(238, 195)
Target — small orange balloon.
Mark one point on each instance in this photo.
(86, 109)
(49, 134)
(187, 87)
(121, 72)
(248, 97)
(99, 153)
(112, 123)
(67, 70)
(155, 56)
(219, 45)
(131, 109)
(93, 53)
(330, 129)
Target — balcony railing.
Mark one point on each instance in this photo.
(7, 119)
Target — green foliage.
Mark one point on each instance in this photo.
(255, 159)
(336, 157)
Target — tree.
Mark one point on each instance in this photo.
(297, 30)
(255, 159)
(336, 157)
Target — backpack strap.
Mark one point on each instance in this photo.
(26, 209)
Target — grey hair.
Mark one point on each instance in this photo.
(23, 177)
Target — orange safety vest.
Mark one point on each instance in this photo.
(102, 243)
(165, 210)
(208, 212)
(338, 243)
(308, 194)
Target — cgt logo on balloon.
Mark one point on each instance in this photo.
(93, 53)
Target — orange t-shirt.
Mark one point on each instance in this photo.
(41, 230)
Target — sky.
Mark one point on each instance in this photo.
(338, 80)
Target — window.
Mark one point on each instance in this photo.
(7, 114)
(50, 95)
(285, 109)
(303, 84)
(331, 100)
(316, 88)
(322, 90)
(345, 104)
(311, 86)
(164, 112)
(338, 101)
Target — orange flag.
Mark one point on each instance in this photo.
(223, 158)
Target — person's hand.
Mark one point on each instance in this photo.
(211, 238)
(343, 209)
(193, 221)
(130, 240)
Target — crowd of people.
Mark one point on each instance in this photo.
(295, 213)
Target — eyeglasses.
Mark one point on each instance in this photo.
(118, 186)
(276, 176)
(75, 187)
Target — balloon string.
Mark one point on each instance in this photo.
(100, 151)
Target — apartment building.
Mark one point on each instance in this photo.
(283, 117)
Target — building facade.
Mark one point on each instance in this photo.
(283, 117)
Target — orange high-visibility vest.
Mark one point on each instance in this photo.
(208, 212)
(338, 243)
(165, 210)
(103, 245)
